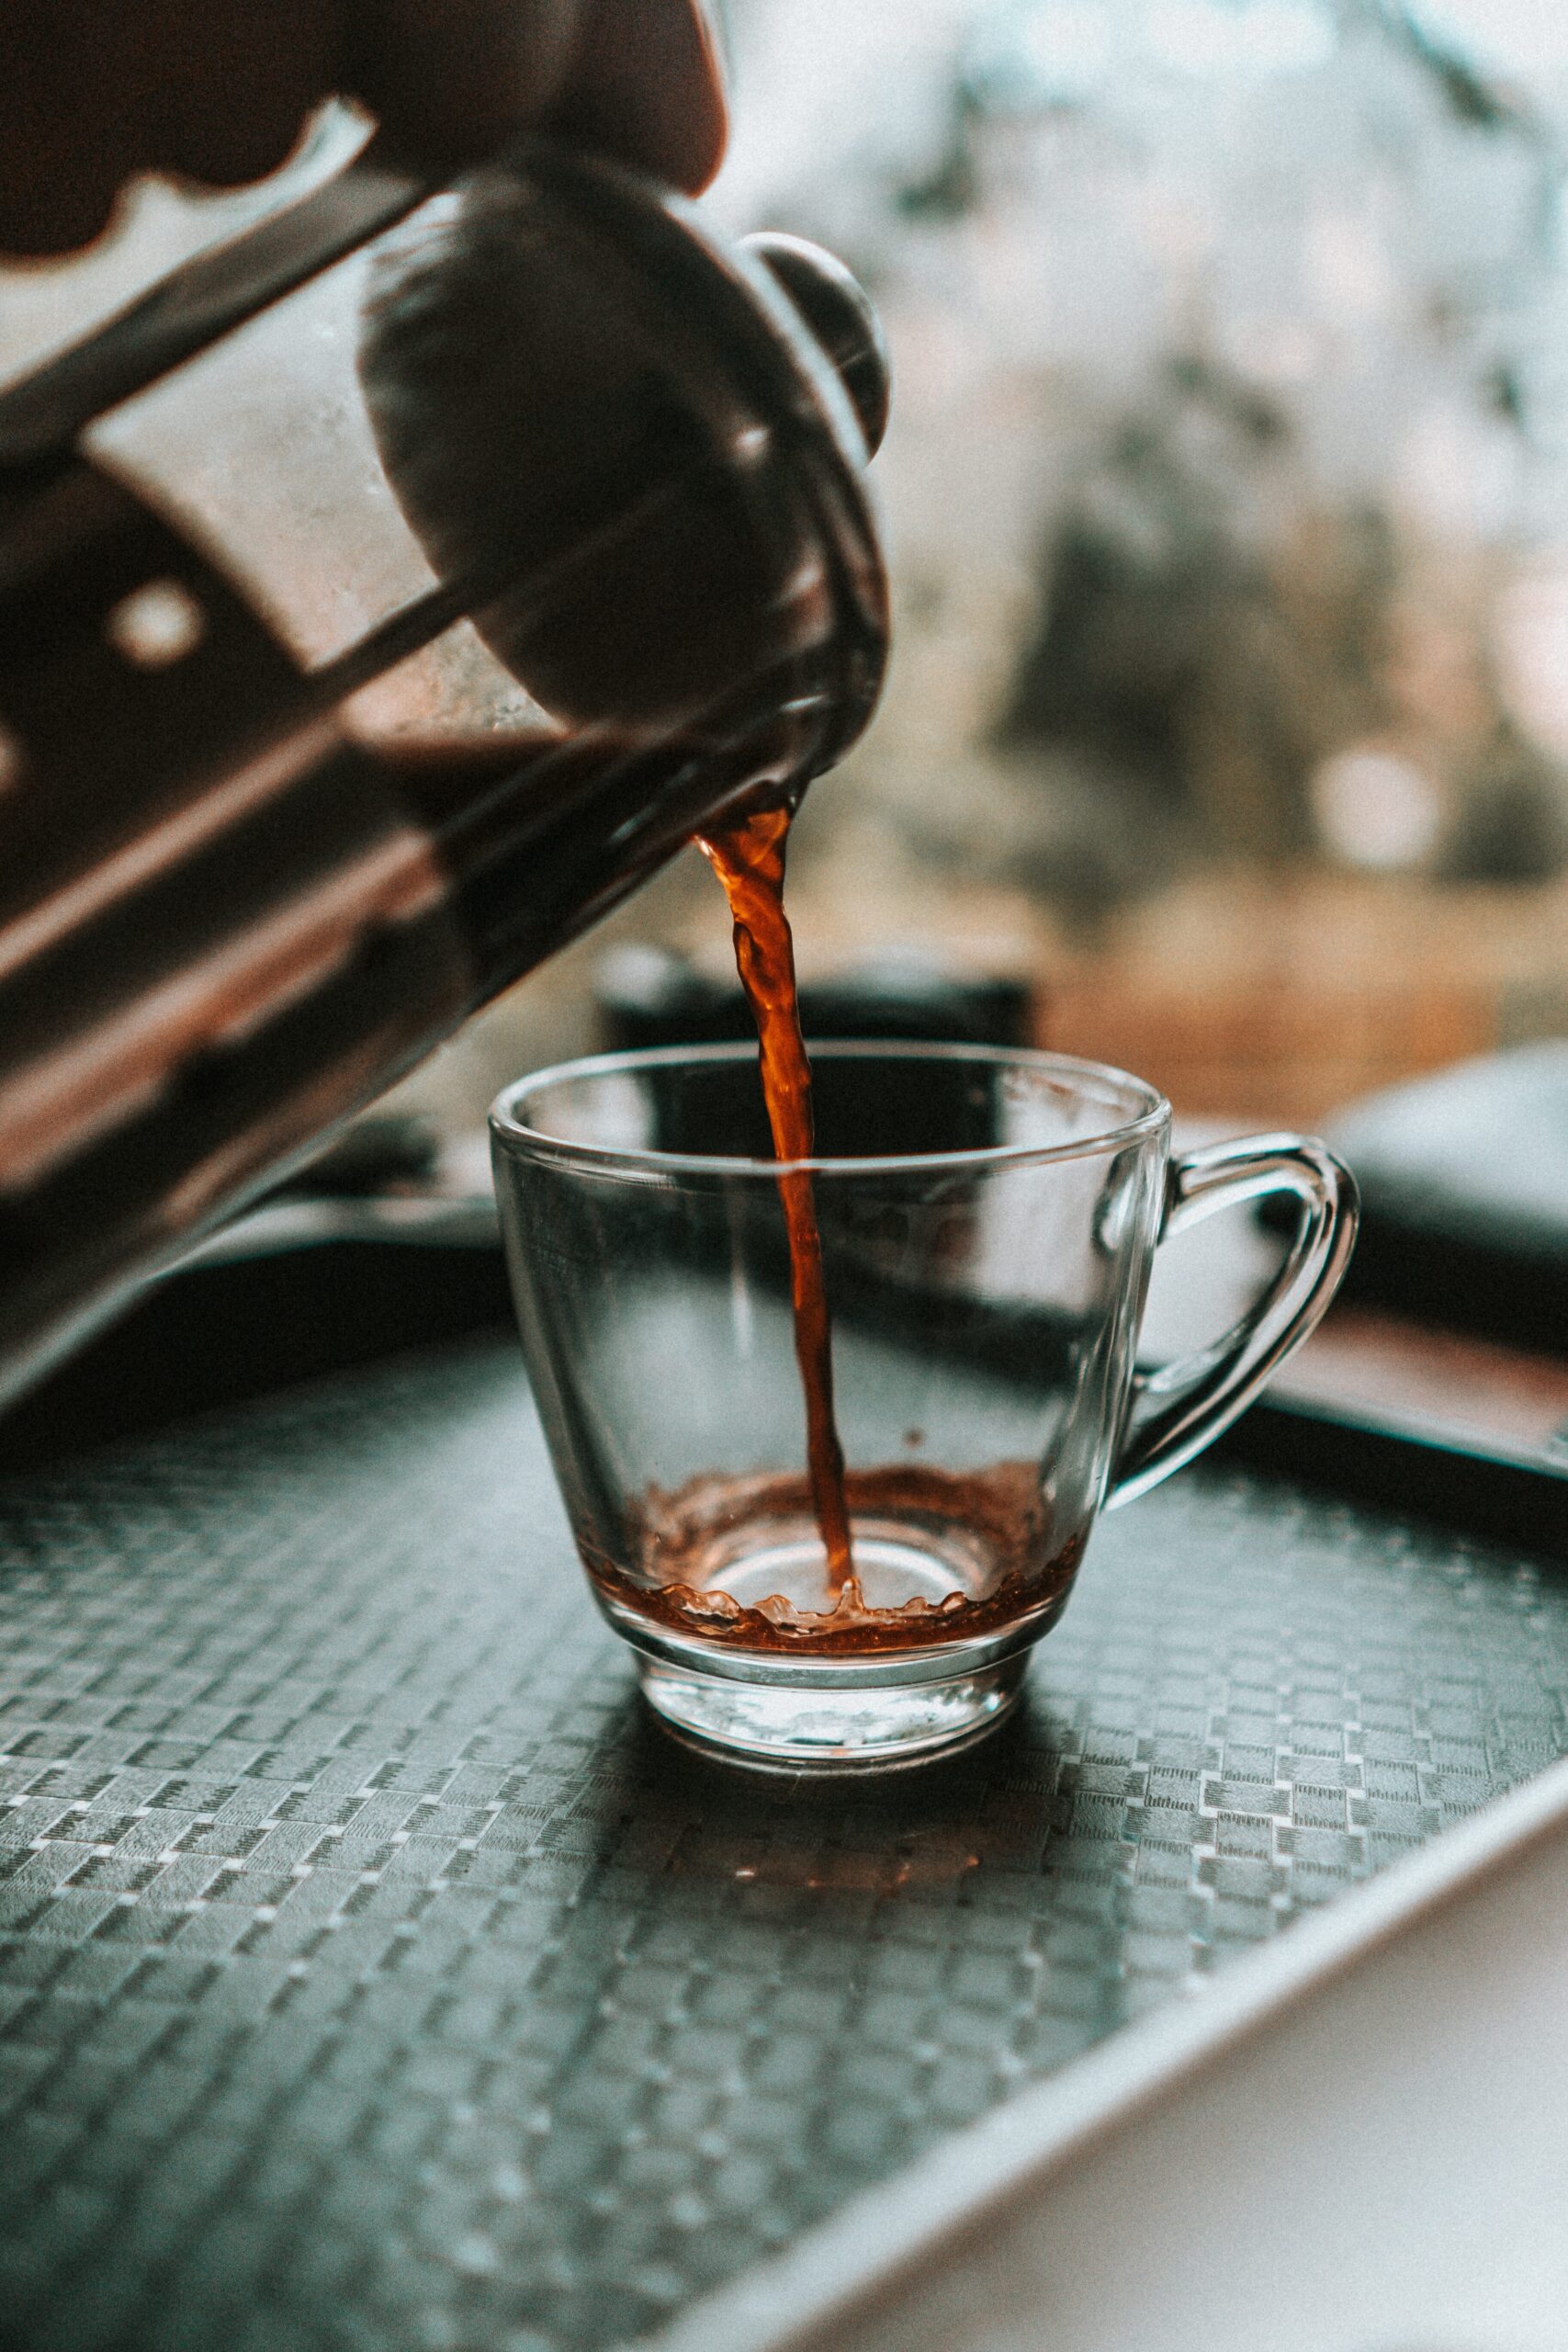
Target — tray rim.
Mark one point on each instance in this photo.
(1037, 2135)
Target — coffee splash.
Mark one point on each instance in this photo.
(989, 1530)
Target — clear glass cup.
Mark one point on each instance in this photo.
(989, 1221)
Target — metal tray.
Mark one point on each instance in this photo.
(1355, 2141)
(371, 1975)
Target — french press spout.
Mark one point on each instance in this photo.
(633, 456)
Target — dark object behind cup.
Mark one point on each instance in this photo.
(649, 997)
(1464, 1197)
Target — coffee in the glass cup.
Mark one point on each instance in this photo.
(935, 1553)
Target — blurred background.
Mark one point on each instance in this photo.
(1227, 493)
(1227, 499)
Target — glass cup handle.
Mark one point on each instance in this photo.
(1179, 1410)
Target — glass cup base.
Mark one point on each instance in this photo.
(820, 1726)
(919, 1689)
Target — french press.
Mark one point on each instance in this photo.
(634, 456)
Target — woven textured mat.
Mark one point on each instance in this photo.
(371, 1975)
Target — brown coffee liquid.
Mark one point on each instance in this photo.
(749, 858)
(989, 1527)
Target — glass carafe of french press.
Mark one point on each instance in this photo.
(228, 919)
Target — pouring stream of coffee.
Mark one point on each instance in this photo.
(749, 858)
